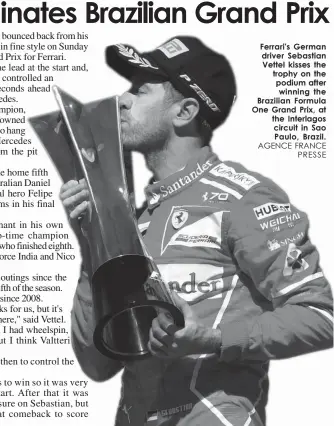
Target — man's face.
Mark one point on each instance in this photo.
(145, 115)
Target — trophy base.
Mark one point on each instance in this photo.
(126, 334)
(126, 308)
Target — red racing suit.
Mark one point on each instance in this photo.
(232, 245)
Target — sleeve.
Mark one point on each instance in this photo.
(268, 241)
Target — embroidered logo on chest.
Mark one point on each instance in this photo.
(179, 218)
(192, 226)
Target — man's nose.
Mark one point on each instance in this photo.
(125, 101)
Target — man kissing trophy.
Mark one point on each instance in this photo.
(248, 291)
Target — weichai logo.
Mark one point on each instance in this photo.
(289, 219)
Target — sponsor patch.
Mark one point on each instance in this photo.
(196, 239)
(202, 227)
(273, 245)
(185, 180)
(195, 282)
(294, 263)
(191, 289)
(244, 180)
(276, 244)
(153, 415)
(275, 224)
(173, 48)
(194, 286)
(214, 107)
(270, 209)
(179, 218)
(155, 287)
(214, 197)
(225, 188)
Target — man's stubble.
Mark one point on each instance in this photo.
(148, 137)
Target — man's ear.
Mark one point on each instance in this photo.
(187, 110)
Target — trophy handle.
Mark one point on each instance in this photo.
(138, 319)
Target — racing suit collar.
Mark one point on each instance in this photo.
(197, 166)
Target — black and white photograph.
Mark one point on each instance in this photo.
(165, 197)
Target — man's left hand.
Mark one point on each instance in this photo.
(169, 341)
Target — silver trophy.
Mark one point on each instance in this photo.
(85, 141)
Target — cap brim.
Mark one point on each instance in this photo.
(127, 62)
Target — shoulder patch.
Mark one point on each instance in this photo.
(244, 180)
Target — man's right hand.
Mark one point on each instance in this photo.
(75, 198)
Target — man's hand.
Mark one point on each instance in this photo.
(75, 197)
(169, 341)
